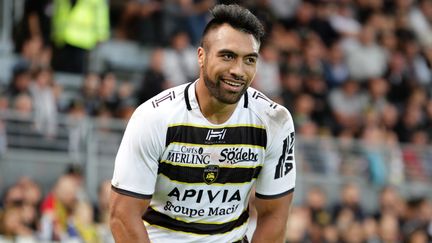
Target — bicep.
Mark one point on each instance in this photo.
(279, 206)
(125, 207)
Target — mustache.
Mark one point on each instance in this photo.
(233, 77)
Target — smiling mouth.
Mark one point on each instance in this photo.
(232, 83)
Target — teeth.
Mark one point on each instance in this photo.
(232, 83)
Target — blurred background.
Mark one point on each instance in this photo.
(355, 74)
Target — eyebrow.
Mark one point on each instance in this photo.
(253, 54)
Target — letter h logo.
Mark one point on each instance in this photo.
(215, 134)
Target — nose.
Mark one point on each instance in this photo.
(237, 70)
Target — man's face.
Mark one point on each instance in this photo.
(228, 62)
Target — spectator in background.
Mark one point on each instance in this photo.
(268, 79)
(399, 79)
(140, 21)
(307, 21)
(154, 80)
(78, 26)
(107, 94)
(389, 202)
(127, 101)
(82, 222)
(373, 140)
(90, 93)
(315, 86)
(284, 9)
(19, 85)
(365, 58)
(349, 209)
(377, 95)
(57, 209)
(291, 85)
(411, 120)
(180, 62)
(33, 55)
(348, 104)
(196, 14)
(313, 60)
(264, 12)
(418, 68)
(19, 217)
(335, 68)
(34, 23)
(344, 21)
(45, 104)
(420, 21)
(316, 202)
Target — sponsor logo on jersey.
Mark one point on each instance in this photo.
(197, 196)
(285, 163)
(193, 212)
(216, 134)
(189, 155)
(237, 155)
(210, 174)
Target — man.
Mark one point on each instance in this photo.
(191, 155)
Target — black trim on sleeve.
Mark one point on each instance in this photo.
(246, 101)
(131, 194)
(186, 96)
(260, 196)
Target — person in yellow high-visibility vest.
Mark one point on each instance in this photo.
(78, 25)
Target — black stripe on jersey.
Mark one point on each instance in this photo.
(130, 194)
(274, 196)
(186, 95)
(225, 135)
(155, 218)
(246, 100)
(188, 174)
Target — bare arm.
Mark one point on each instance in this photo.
(125, 218)
(272, 219)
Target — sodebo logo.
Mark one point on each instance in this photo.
(237, 155)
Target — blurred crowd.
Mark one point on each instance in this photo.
(345, 220)
(348, 69)
(65, 214)
(344, 68)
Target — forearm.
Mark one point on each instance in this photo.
(125, 218)
(127, 230)
(270, 228)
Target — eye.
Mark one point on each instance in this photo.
(251, 60)
(228, 56)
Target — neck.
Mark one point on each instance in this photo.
(212, 109)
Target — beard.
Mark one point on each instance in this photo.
(218, 92)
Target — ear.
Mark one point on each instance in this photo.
(201, 56)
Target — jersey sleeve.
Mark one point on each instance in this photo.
(137, 159)
(278, 175)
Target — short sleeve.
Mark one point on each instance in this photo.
(278, 175)
(137, 159)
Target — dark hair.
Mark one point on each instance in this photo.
(238, 17)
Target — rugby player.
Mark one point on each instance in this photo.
(191, 156)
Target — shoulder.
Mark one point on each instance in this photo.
(172, 98)
(272, 114)
(162, 106)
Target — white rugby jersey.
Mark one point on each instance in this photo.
(199, 175)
